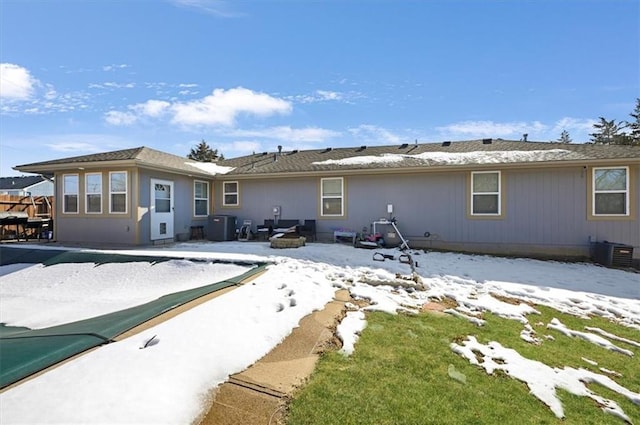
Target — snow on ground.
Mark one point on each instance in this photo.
(40, 296)
(170, 380)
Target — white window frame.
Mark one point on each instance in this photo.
(196, 198)
(323, 197)
(113, 192)
(225, 192)
(624, 191)
(499, 193)
(87, 192)
(66, 193)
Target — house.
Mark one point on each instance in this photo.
(26, 186)
(136, 196)
(492, 196)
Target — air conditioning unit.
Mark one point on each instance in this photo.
(613, 254)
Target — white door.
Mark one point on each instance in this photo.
(161, 209)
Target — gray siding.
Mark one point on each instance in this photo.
(133, 228)
(183, 204)
(545, 210)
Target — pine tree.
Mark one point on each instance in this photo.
(204, 153)
(608, 133)
(564, 137)
(634, 125)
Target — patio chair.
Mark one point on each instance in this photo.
(308, 230)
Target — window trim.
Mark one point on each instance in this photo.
(626, 191)
(500, 194)
(225, 193)
(195, 198)
(65, 193)
(87, 193)
(341, 197)
(112, 192)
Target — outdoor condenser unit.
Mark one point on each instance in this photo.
(613, 254)
(222, 228)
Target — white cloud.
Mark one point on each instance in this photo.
(573, 125)
(308, 134)
(152, 108)
(222, 107)
(319, 96)
(114, 85)
(375, 134)
(326, 96)
(74, 147)
(212, 7)
(478, 129)
(114, 67)
(120, 118)
(16, 82)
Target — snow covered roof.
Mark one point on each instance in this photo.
(20, 182)
(415, 156)
(141, 157)
(427, 156)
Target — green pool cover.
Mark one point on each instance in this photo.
(24, 351)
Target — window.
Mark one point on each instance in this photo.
(485, 193)
(332, 196)
(70, 193)
(93, 190)
(611, 191)
(230, 193)
(162, 197)
(118, 192)
(200, 198)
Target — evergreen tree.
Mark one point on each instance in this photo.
(204, 153)
(564, 137)
(634, 125)
(608, 133)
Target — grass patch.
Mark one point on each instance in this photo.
(400, 374)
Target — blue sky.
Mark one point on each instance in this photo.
(89, 76)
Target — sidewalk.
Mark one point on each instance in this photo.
(258, 394)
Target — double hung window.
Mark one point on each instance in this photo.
(230, 194)
(93, 193)
(118, 192)
(70, 190)
(486, 193)
(611, 191)
(332, 197)
(200, 198)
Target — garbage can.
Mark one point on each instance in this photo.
(221, 228)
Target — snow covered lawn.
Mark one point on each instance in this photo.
(169, 382)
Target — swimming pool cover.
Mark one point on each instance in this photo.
(24, 351)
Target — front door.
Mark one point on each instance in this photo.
(161, 209)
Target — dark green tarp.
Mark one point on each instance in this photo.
(24, 351)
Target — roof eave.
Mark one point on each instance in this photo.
(93, 165)
(436, 168)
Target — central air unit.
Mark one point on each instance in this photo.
(222, 228)
(613, 254)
